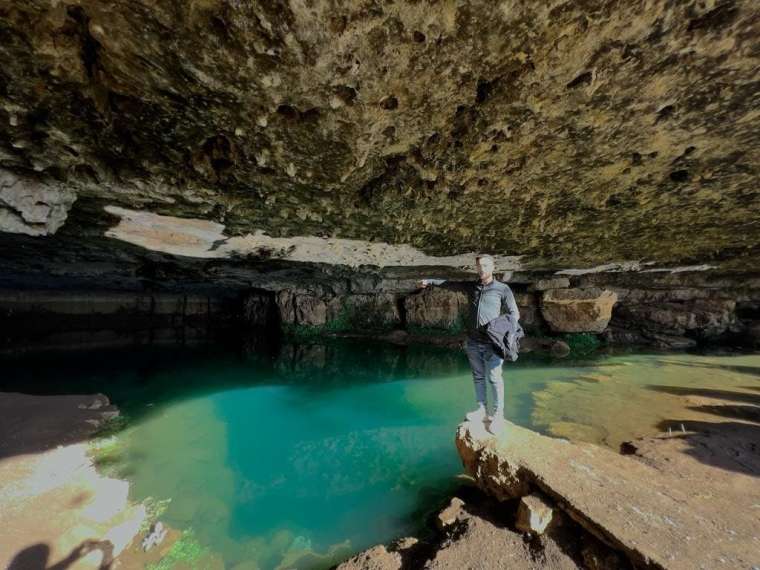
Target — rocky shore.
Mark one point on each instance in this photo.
(682, 499)
(56, 509)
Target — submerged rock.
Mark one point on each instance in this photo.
(155, 536)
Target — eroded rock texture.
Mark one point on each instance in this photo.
(649, 511)
(568, 132)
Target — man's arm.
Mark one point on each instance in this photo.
(444, 284)
(508, 301)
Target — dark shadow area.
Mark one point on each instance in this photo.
(34, 424)
(35, 557)
(733, 411)
(749, 370)
(707, 393)
(731, 446)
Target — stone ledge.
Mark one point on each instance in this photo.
(633, 507)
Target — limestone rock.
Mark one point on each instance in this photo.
(578, 310)
(646, 513)
(155, 536)
(706, 318)
(480, 543)
(258, 308)
(370, 311)
(301, 308)
(30, 207)
(534, 513)
(381, 557)
(602, 128)
(375, 558)
(436, 308)
(449, 515)
(554, 283)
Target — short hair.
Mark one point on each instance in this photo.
(485, 256)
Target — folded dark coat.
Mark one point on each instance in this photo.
(505, 333)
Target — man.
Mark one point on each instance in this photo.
(488, 299)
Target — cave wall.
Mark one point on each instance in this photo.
(662, 310)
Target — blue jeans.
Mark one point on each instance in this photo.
(486, 365)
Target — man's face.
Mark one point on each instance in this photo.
(484, 267)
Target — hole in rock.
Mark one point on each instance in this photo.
(346, 94)
(679, 176)
(583, 79)
(483, 90)
(614, 201)
(418, 37)
(389, 103)
(288, 111)
(719, 17)
(664, 113)
(338, 24)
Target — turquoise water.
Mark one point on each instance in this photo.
(303, 457)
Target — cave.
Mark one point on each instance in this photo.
(254, 257)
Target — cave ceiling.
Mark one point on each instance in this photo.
(561, 134)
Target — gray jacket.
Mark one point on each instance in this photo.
(486, 302)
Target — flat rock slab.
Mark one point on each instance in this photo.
(636, 508)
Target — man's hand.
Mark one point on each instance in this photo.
(422, 283)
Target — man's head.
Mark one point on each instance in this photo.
(485, 265)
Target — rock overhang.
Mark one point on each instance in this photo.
(566, 135)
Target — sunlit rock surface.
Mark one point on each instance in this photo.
(651, 512)
(32, 208)
(578, 310)
(56, 508)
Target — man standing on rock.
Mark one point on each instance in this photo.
(488, 299)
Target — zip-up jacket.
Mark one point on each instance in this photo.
(505, 333)
(486, 302)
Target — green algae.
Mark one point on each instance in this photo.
(187, 552)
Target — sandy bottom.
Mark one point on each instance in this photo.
(637, 395)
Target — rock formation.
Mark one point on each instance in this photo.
(309, 151)
(651, 512)
(578, 310)
(569, 134)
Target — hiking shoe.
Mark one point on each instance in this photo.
(476, 415)
(497, 425)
